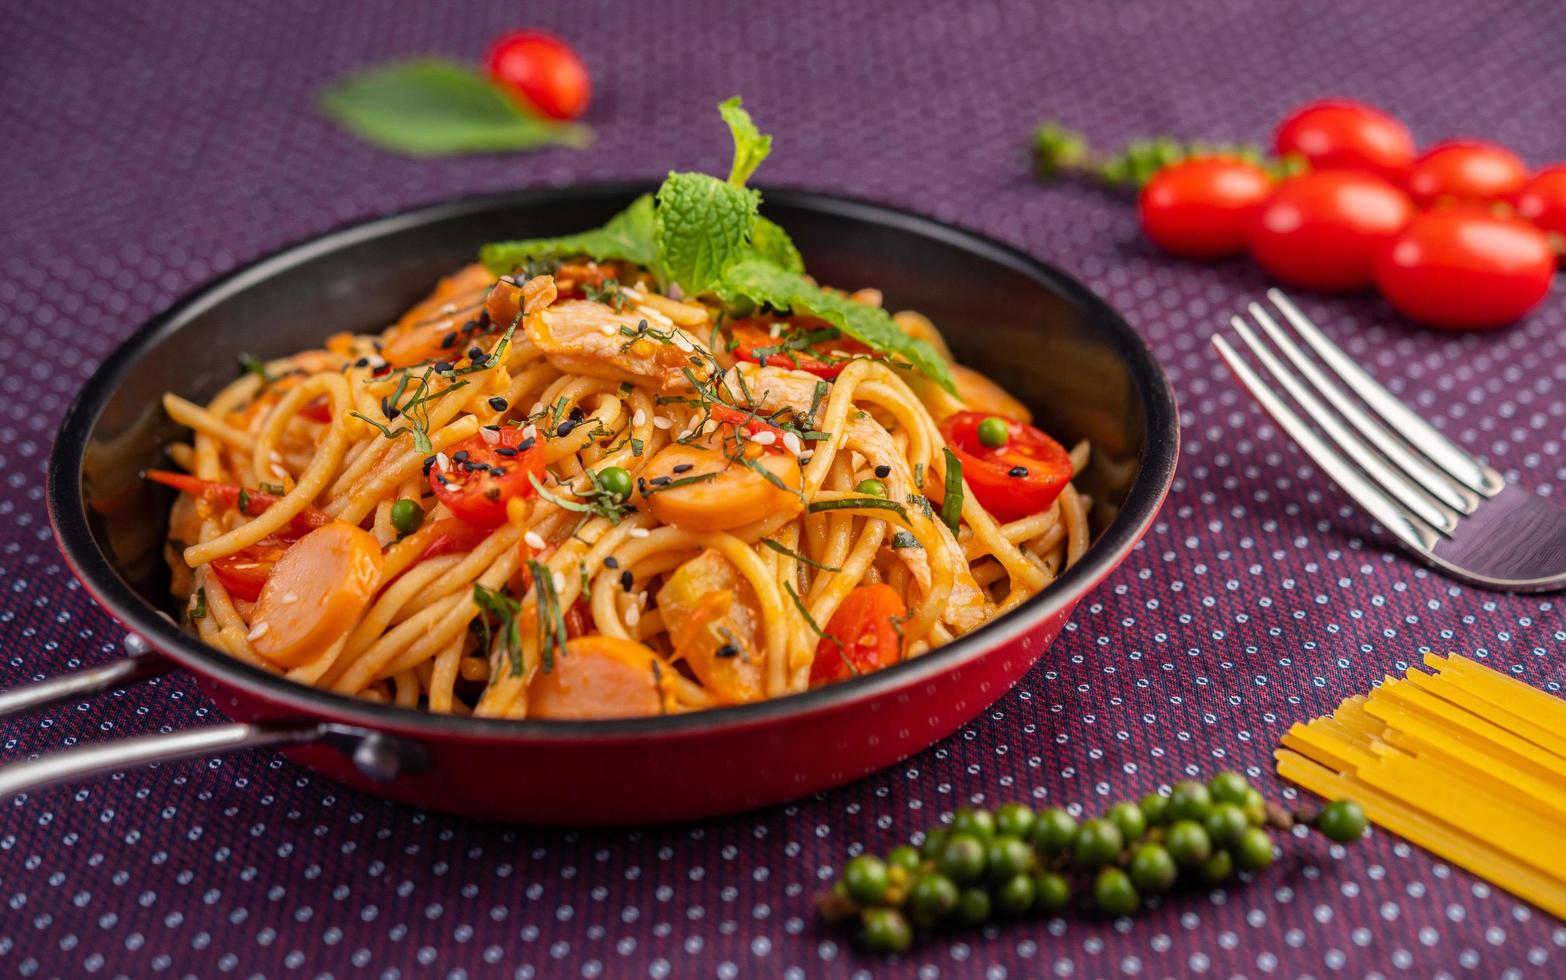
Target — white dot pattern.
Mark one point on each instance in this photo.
(146, 152)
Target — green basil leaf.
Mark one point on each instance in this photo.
(434, 107)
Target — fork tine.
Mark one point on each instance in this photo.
(1404, 526)
(1438, 485)
(1363, 456)
(1419, 433)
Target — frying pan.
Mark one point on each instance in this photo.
(1078, 365)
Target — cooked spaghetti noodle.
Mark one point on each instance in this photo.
(571, 491)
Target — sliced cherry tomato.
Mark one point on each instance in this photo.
(578, 619)
(1466, 170)
(1345, 135)
(543, 70)
(1322, 230)
(1022, 477)
(1543, 202)
(862, 636)
(482, 476)
(1466, 268)
(228, 495)
(815, 347)
(244, 572)
(451, 537)
(319, 410)
(1202, 208)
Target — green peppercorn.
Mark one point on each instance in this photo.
(972, 820)
(931, 898)
(973, 906)
(1342, 821)
(1114, 893)
(934, 840)
(1255, 807)
(1014, 819)
(1129, 818)
(993, 433)
(1054, 831)
(1228, 787)
(1254, 850)
(1155, 807)
(1188, 843)
(1225, 823)
(886, 931)
(1052, 890)
(871, 488)
(1009, 856)
(406, 516)
(865, 877)
(1015, 895)
(904, 857)
(1099, 842)
(1218, 866)
(962, 859)
(616, 482)
(1189, 800)
(1152, 870)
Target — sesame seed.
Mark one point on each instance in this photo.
(683, 468)
(257, 631)
(611, 562)
(530, 432)
(640, 418)
(639, 532)
(791, 443)
(559, 582)
(533, 540)
(498, 403)
(490, 437)
(660, 422)
(442, 461)
(1017, 471)
(627, 580)
(764, 437)
(633, 616)
(288, 598)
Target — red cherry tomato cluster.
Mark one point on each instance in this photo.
(542, 70)
(1460, 236)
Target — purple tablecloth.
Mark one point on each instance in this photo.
(148, 147)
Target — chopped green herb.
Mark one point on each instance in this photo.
(683, 481)
(551, 618)
(500, 607)
(903, 539)
(951, 506)
(784, 550)
(200, 610)
(255, 366)
(275, 489)
(244, 500)
(855, 503)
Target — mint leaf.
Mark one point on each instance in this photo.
(703, 225)
(433, 107)
(761, 281)
(628, 236)
(751, 146)
(769, 241)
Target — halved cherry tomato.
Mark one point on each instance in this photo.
(543, 70)
(482, 476)
(450, 537)
(1466, 170)
(862, 636)
(578, 619)
(1202, 208)
(1345, 135)
(1466, 268)
(244, 572)
(1322, 230)
(228, 495)
(1543, 202)
(1022, 477)
(802, 347)
(319, 410)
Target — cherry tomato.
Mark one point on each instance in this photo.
(244, 572)
(1467, 170)
(862, 636)
(319, 409)
(482, 476)
(1465, 267)
(451, 536)
(1344, 135)
(1202, 208)
(229, 495)
(1012, 481)
(1322, 230)
(543, 70)
(794, 348)
(1543, 200)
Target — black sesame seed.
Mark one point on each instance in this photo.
(576, 415)
(493, 428)
(475, 352)
(659, 481)
(526, 444)
(727, 650)
(483, 319)
(460, 455)
(450, 340)
(611, 562)
(362, 362)
(627, 580)
(441, 367)
(505, 451)
(1017, 471)
(883, 471)
(684, 467)
(498, 403)
(565, 428)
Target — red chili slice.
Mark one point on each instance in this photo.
(794, 348)
(228, 495)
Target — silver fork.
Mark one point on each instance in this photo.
(1445, 506)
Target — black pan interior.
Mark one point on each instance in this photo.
(1034, 330)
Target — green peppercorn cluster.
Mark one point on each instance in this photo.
(1013, 861)
(1059, 151)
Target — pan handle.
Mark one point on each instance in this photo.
(141, 663)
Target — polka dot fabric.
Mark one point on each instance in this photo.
(151, 146)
